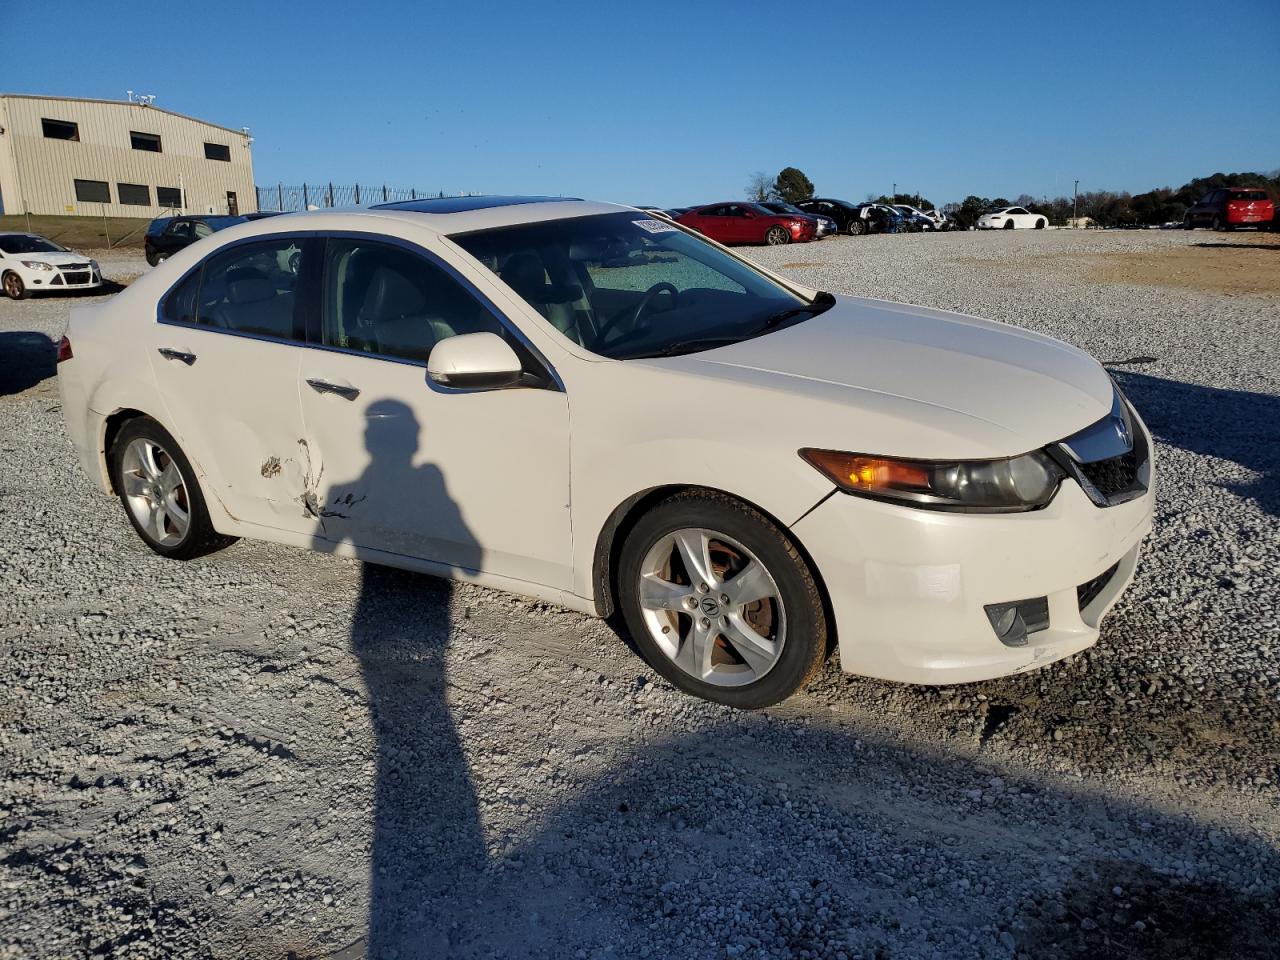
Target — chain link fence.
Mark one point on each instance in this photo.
(312, 196)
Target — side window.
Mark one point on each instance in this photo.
(385, 300)
(251, 288)
(202, 229)
(180, 229)
(180, 305)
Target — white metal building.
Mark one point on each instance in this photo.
(61, 155)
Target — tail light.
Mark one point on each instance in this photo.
(64, 350)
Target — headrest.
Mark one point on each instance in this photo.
(391, 293)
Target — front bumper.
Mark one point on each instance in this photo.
(908, 586)
(60, 279)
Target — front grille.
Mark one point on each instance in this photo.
(1112, 476)
(1088, 592)
(77, 277)
(73, 266)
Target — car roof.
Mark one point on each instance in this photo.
(444, 216)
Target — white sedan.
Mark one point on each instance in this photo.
(30, 264)
(1012, 218)
(585, 404)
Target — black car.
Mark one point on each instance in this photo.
(846, 215)
(167, 235)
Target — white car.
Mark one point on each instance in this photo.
(1012, 218)
(30, 264)
(585, 404)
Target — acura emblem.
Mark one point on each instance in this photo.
(1122, 431)
(709, 606)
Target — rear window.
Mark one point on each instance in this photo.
(1247, 195)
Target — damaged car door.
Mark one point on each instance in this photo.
(226, 352)
(471, 479)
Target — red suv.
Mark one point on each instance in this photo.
(1229, 207)
(749, 223)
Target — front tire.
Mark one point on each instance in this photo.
(720, 601)
(14, 288)
(777, 236)
(1187, 224)
(857, 228)
(160, 494)
(1040, 224)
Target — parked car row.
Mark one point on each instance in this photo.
(774, 222)
(167, 235)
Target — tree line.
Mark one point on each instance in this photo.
(1105, 208)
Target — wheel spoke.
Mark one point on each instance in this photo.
(147, 457)
(695, 551)
(659, 594)
(752, 583)
(170, 479)
(177, 515)
(694, 655)
(134, 485)
(156, 522)
(758, 652)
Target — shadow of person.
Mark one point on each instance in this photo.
(427, 844)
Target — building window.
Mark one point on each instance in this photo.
(217, 151)
(145, 141)
(92, 191)
(169, 197)
(59, 129)
(134, 194)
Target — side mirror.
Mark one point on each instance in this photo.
(474, 360)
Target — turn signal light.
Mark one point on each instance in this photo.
(870, 473)
(64, 349)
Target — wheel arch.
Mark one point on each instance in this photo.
(112, 424)
(613, 535)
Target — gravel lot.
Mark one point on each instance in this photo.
(269, 753)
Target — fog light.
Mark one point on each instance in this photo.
(1007, 623)
(1013, 621)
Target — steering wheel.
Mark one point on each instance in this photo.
(638, 311)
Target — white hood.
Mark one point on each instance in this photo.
(939, 384)
(56, 259)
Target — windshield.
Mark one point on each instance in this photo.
(23, 243)
(785, 208)
(624, 285)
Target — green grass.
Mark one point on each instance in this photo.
(82, 233)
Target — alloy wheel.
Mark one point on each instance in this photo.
(776, 237)
(12, 286)
(711, 607)
(156, 492)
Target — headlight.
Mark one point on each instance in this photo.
(1011, 485)
(37, 265)
(93, 265)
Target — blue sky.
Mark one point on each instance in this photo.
(674, 103)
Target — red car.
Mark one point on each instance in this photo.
(749, 223)
(1229, 207)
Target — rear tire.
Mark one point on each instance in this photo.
(857, 228)
(777, 236)
(1187, 223)
(686, 623)
(1008, 225)
(14, 288)
(160, 492)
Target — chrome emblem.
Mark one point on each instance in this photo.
(710, 607)
(1122, 431)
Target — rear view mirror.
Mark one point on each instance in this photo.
(474, 361)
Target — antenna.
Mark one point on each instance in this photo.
(146, 99)
(130, 93)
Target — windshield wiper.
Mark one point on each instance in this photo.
(823, 301)
(692, 346)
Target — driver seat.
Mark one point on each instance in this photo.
(525, 274)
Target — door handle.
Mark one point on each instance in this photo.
(324, 386)
(170, 354)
